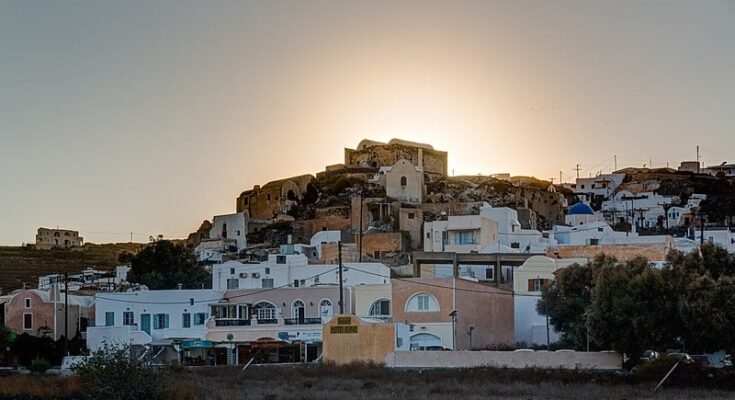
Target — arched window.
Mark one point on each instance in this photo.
(298, 311)
(422, 341)
(325, 308)
(264, 310)
(380, 308)
(422, 302)
(404, 181)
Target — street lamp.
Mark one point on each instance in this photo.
(453, 314)
(472, 328)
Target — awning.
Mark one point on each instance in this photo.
(196, 344)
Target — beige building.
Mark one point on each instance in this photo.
(47, 238)
(403, 182)
(348, 338)
(373, 301)
(460, 234)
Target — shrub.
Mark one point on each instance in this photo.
(39, 366)
(113, 373)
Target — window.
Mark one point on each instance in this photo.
(380, 308)
(27, 302)
(280, 259)
(128, 318)
(267, 283)
(535, 285)
(160, 321)
(404, 181)
(445, 238)
(464, 237)
(268, 197)
(238, 232)
(109, 318)
(186, 320)
(411, 215)
(265, 310)
(490, 274)
(232, 271)
(599, 229)
(298, 310)
(199, 318)
(233, 283)
(594, 242)
(422, 302)
(295, 283)
(428, 235)
(268, 270)
(325, 308)
(27, 321)
(515, 245)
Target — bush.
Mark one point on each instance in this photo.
(113, 374)
(40, 366)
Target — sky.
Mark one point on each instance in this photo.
(151, 116)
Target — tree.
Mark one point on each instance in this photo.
(567, 300)
(165, 265)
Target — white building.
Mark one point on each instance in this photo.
(145, 317)
(88, 279)
(511, 237)
(293, 270)
(227, 235)
(601, 186)
(460, 234)
(402, 181)
(528, 280)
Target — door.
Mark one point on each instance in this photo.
(145, 323)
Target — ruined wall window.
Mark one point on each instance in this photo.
(27, 321)
(411, 215)
(404, 181)
(268, 197)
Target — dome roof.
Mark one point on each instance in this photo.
(580, 209)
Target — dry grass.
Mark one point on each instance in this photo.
(376, 383)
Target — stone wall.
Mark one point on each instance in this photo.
(505, 359)
(623, 252)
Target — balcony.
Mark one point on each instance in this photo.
(302, 321)
(231, 322)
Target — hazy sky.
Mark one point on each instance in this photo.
(150, 116)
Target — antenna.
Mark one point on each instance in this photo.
(615, 157)
(560, 180)
(697, 158)
(578, 169)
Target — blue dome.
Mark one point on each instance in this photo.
(580, 209)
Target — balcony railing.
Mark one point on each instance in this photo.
(231, 322)
(302, 321)
(267, 321)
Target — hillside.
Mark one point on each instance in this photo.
(19, 265)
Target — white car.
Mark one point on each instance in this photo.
(69, 362)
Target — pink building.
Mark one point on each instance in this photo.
(483, 315)
(41, 313)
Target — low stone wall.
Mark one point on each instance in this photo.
(505, 359)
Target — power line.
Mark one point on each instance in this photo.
(211, 300)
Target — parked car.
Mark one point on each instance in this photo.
(701, 360)
(683, 358)
(650, 355)
(69, 362)
(727, 361)
(435, 348)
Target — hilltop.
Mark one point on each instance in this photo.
(19, 265)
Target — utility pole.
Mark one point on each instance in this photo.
(615, 157)
(66, 313)
(341, 292)
(698, 159)
(578, 169)
(362, 200)
(701, 228)
(548, 336)
(560, 180)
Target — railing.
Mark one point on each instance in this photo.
(267, 321)
(231, 322)
(302, 321)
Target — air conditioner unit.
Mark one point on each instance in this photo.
(256, 275)
(243, 274)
